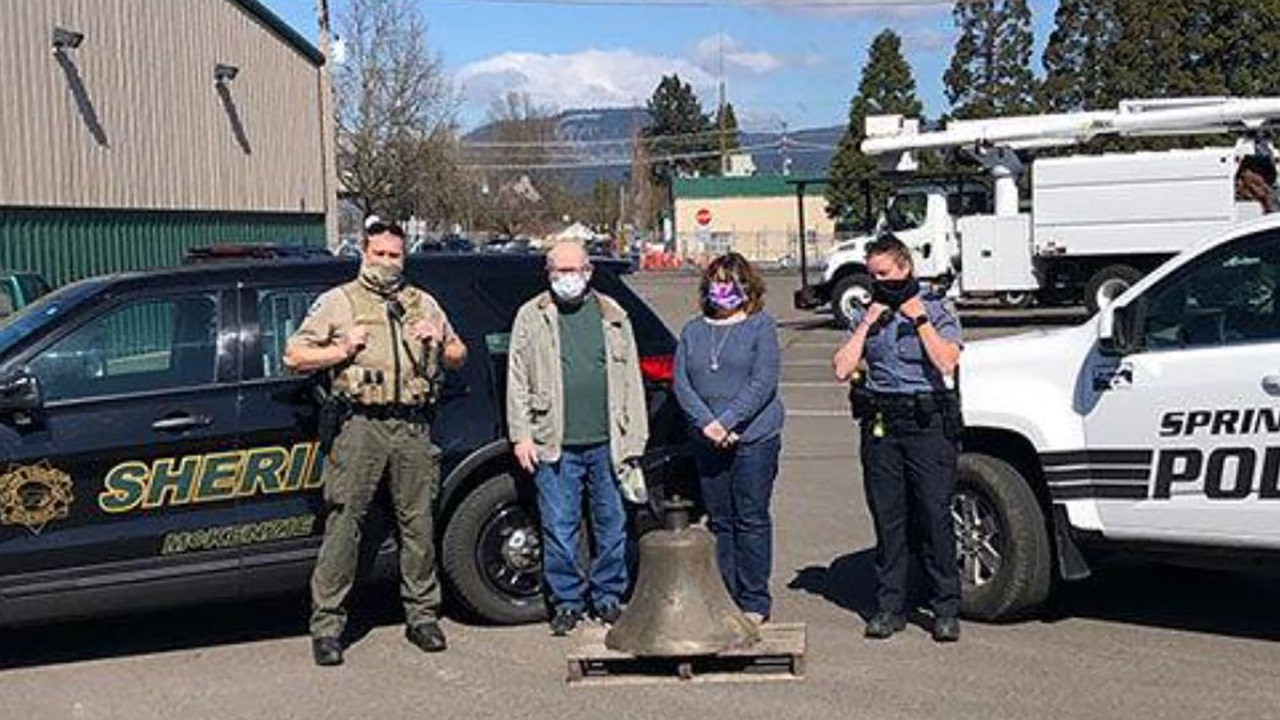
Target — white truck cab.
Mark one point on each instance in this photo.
(1153, 427)
(923, 216)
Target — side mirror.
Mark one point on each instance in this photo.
(1116, 328)
(20, 393)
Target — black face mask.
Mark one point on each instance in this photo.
(892, 293)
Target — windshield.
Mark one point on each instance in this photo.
(42, 312)
(907, 211)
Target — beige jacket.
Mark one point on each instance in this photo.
(535, 397)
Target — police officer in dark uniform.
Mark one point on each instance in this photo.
(910, 417)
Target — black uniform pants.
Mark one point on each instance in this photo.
(909, 474)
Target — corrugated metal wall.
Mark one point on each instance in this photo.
(133, 119)
(68, 245)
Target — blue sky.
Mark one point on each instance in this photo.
(793, 61)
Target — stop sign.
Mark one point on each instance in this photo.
(703, 217)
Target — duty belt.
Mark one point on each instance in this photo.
(409, 413)
(927, 403)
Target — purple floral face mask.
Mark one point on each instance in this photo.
(725, 295)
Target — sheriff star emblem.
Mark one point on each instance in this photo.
(33, 495)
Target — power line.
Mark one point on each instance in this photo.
(802, 4)
(578, 143)
(619, 162)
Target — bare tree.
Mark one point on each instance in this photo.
(397, 149)
(524, 196)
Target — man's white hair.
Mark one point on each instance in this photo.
(562, 246)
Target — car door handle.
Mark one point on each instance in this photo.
(1271, 384)
(178, 423)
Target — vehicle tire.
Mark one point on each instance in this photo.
(1107, 284)
(1017, 300)
(491, 554)
(850, 292)
(1002, 541)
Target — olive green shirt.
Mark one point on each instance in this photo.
(585, 382)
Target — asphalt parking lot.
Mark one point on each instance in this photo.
(1135, 640)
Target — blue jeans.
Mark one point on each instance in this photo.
(737, 485)
(560, 487)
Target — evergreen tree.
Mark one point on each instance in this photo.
(887, 87)
(678, 129)
(990, 72)
(1105, 51)
(1076, 58)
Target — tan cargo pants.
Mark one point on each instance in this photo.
(363, 450)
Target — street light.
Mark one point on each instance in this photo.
(223, 73)
(64, 39)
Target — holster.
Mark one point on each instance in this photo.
(861, 399)
(335, 410)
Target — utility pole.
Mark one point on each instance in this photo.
(724, 157)
(328, 132)
(785, 150)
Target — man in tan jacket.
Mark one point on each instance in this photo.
(576, 416)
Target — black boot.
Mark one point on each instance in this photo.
(427, 636)
(564, 621)
(884, 625)
(327, 651)
(946, 629)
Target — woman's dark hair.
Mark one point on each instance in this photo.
(1263, 166)
(732, 267)
(888, 244)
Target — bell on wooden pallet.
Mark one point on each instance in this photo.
(680, 606)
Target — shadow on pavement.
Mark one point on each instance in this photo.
(849, 582)
(195, 626)
(1231, 604)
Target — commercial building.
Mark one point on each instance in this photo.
(757, 216)
(133, 129)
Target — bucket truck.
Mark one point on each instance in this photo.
(1096, 223)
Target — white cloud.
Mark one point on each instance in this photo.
(591, 78)
(736, 55)
(926, 41)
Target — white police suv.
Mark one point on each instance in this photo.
(1152, 428)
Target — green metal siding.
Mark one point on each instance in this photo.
(70, 244)
(706, 188)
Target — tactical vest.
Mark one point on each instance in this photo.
(391, 368)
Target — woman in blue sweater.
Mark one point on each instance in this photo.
(726, 379)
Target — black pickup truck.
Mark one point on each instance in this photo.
(154, 450)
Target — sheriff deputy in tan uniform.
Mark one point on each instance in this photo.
(381, 340)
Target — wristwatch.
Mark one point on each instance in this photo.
(921, 320)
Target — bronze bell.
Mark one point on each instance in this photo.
(680, 606)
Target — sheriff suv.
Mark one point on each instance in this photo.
(154, 450)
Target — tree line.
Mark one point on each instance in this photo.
(1099, 53)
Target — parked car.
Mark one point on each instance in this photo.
(156, 451)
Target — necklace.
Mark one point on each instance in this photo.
(717, 347)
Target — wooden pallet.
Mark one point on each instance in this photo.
(779, 655)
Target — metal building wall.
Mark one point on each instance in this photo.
(133, 119)
(68, 245)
